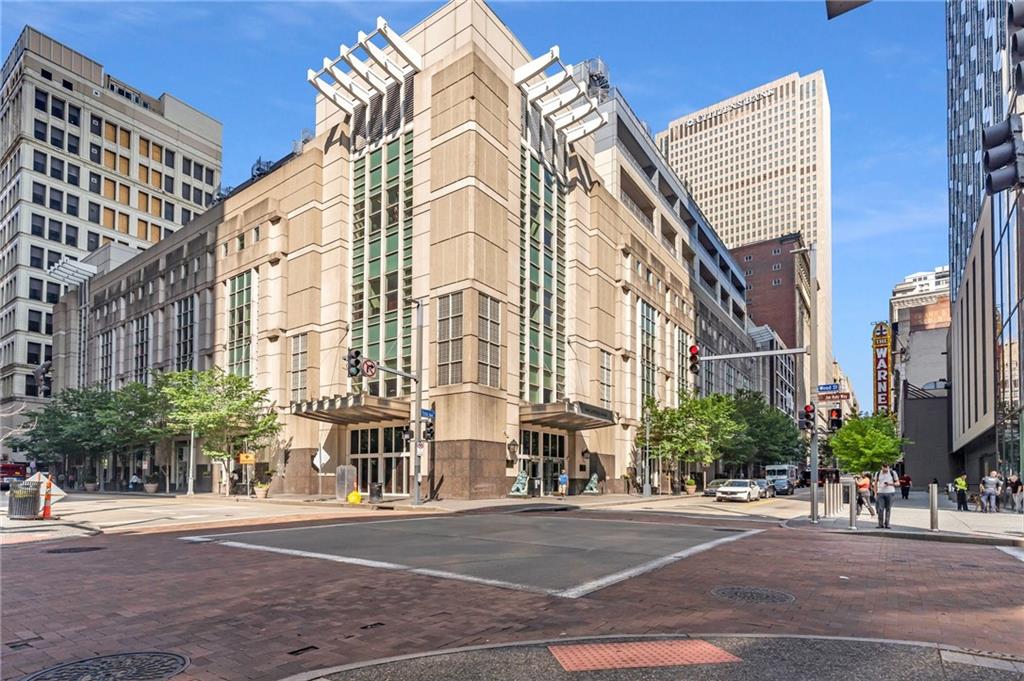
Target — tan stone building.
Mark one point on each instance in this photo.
(85, 160)
(760, 164)
(514, 197)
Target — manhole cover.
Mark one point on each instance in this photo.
(120, 667)
(751, 594)
(77, 549)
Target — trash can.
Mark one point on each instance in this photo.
(534, 487)
(23, 501)
(376, 493)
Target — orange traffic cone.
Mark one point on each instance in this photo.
(47, 504)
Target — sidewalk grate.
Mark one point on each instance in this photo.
(143, 666)
(640, 654)
(752, 594)
(76, 549)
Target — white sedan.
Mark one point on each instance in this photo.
(738, 490)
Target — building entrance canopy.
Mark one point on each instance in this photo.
(346, 410)
(567, 415)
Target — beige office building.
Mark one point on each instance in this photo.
(760, 164)
(85, 160)
(514, 195)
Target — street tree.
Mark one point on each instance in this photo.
(73, 422)
(222, 409)
(697, 431)
(134, 416)
(768, 435)
(715, 417)
(865, 443)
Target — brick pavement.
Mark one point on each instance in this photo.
(238, 614)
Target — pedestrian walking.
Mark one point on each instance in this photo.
(563, 483)
(960, 485)
(864, 493)
(1016, 487)
(989, 487)
(905, 485)
(885, 489)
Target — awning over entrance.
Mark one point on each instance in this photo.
(567, 415)
(347, 410)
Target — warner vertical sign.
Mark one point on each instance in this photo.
(881, 365)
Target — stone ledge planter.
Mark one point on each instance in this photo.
(151, 487)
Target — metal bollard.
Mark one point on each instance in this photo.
(829, 501)
(933, 505)
(824, 493)
(852, 489)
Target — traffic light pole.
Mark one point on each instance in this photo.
(813, 257)
(418, 379)
(419, 402)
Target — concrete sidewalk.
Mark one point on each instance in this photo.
(911, 519)
(715, 657)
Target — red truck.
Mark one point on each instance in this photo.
(11, 471)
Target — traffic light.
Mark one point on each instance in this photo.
(1003, 158)
(807, 418)
(694, 359)
(428, 431)
(1015, 24)
(835, 419)
(355, 363)
(41, 374)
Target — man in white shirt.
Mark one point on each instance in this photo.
(885, 489)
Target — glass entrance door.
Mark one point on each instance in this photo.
(380, 455)
(546, 452)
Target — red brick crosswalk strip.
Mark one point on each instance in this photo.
(632, 655)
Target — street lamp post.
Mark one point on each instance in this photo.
(191, 463)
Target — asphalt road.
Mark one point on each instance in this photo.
(557, 554)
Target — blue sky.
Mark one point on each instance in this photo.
(245, 63)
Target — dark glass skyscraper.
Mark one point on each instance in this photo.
(975, 52)
(984, 238)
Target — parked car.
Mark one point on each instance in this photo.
(767, 490)
(738, 490)
(783, 486)
(711, 487)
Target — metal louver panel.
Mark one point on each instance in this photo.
(359, 136)
(393, 109)
(375, 121)
(407, 91)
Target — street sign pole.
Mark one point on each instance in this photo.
(813, 257)
(419, 401)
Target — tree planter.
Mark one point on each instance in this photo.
(691, 489)
(90, 487)
(261, 492)
(151, 487)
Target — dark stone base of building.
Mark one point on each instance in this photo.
(468, 469)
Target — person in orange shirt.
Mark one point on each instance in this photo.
(864, 493)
